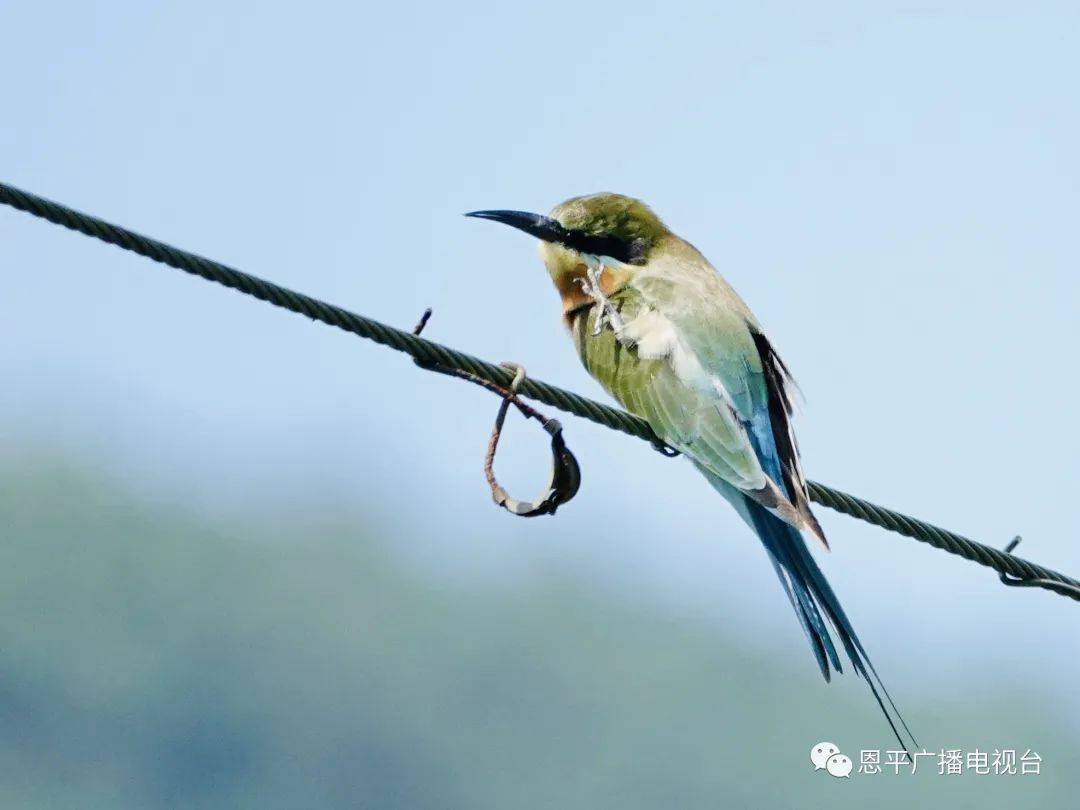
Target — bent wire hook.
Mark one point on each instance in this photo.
(565, 479)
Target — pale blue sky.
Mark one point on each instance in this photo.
(894, 190)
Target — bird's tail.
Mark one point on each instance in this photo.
(817, 607)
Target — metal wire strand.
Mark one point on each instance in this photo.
(427, 352)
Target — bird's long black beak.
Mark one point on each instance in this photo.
(536, 225)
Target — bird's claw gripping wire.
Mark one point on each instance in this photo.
(663, 448)
(565, 472)
(1063, 588)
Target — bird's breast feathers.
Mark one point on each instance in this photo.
(687, 362)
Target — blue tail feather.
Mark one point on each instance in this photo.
(775, 535)
(811, 595)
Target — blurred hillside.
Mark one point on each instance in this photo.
(151, 660)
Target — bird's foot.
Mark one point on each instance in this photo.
(605, 312)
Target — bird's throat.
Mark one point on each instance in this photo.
(569, 285)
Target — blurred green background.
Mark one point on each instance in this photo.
(150, 659)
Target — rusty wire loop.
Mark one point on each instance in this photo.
(1013, 570)
(565, 478)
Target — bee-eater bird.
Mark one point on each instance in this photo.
(668, 337)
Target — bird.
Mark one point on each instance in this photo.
(669, 338)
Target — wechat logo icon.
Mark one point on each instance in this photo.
(826, 756)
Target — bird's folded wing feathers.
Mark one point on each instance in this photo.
(696, 374)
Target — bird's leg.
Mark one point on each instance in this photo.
(590, 285)
(605, 310)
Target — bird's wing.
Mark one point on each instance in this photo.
(690, 364)
(686, 308)
(777, 435)
(661, 381)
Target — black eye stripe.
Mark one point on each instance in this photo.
(628, 251)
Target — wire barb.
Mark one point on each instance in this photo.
(1064, 588)
(440, 358)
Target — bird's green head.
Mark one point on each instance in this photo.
(597, 226)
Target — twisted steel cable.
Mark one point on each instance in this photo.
(1013, 570)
